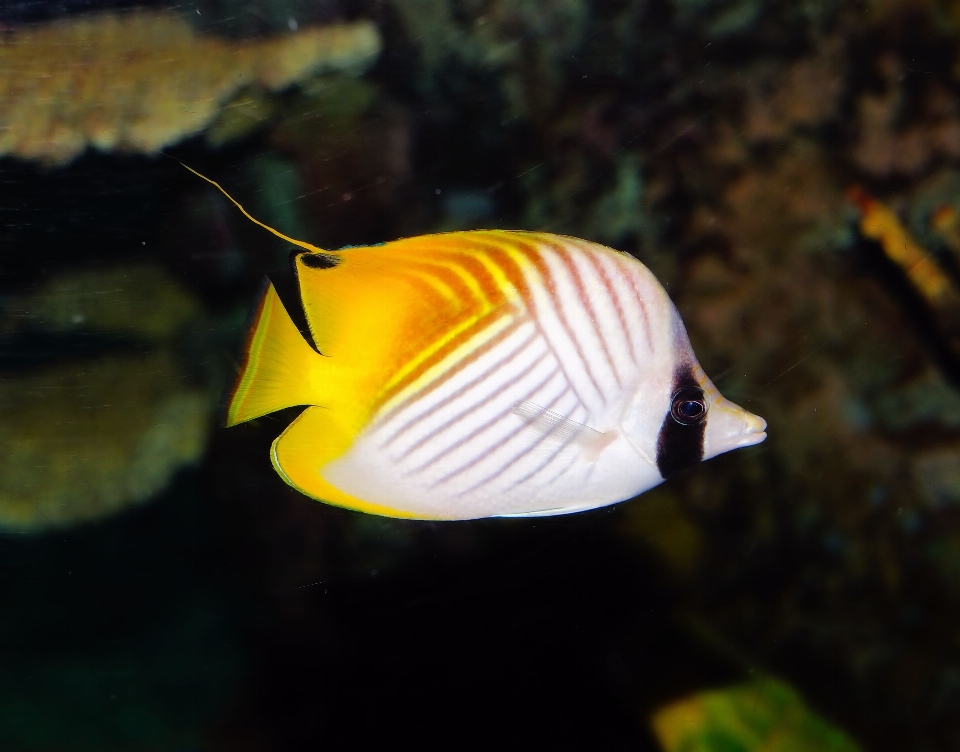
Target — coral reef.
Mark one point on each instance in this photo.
(799, 95)
(716, 140)
(900, 135)
(812, 552)
(82, 441)
(141, 81)
(115, 414)
(524, 43)
(780, 305)
(879, 223)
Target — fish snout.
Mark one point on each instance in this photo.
(754, 426)
(729, 426)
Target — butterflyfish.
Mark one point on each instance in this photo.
(480, 374)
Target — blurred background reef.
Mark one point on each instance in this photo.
(791, 173)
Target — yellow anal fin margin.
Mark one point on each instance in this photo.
(310, 443)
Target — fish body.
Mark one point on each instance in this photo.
(483, 373)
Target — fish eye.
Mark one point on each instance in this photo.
(688, 406)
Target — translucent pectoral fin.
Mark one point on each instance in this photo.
(554, 428)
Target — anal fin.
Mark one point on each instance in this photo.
(302, 452)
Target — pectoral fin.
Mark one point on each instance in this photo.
(558, 429)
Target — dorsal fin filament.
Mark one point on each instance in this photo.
(215, 184)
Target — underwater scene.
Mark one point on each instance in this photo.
(621, 338)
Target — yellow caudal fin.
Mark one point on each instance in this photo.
(279, 368)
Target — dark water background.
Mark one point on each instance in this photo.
(161, 588)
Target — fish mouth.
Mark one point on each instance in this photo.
(754, 430)
(729, 427)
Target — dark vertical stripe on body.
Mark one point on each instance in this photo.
(438, 357)
(447, 276)
(474, 268)
(492, 247)
(570, 463)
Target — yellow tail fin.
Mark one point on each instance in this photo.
(279, 368)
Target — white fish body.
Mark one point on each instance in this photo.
(560, 402)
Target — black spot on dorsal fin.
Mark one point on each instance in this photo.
(319, 260)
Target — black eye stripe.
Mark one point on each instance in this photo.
(680, 442)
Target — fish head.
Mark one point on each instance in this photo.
(678, 418)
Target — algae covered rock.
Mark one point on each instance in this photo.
(83, 440)
(137, 82)
(526, 45)
(97, 405)
(137, 298)
(763, 715)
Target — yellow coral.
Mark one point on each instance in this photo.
(84, 440)
(945, 222)
(879, 223)
(141, 81)
(88, 436)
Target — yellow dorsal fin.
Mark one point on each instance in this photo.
(215, 184)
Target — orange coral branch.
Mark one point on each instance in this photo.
(879, 223)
